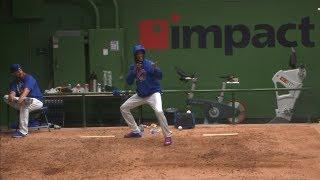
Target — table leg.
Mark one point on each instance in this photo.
(233, 108)
(84, 122)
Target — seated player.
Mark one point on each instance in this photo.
(25, 96)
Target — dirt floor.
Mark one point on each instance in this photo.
(209, 151)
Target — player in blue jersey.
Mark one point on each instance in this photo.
(147, 77)
(25, 96)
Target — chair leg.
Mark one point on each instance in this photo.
(48, 124)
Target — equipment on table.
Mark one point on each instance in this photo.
(93, 82)
(121, 93)
(215, 110)
(59, 90)
(107, 80)
(292, 79)
(78, 89)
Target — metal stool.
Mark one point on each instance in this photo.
(43, 117)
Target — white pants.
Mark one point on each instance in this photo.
(155, 102)
(24, 109)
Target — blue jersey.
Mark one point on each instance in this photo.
(147, 78)
(27, 82)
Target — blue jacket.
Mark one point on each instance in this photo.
(27, 82)
(149, 83)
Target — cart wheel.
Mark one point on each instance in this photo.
(212, 113)
(241, 116)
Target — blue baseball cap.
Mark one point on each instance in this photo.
(14, 68)
(138, 48)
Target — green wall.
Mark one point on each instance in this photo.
(22, 37)
(31, 29)
(254, 66)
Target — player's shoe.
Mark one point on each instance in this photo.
(167, 141)
(18, 134)
(132, 135)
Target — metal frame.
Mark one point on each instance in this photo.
(109, 94)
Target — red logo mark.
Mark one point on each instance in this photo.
(154, 34)
(175, 18)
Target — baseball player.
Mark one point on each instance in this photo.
(25, 96)
(147, 77)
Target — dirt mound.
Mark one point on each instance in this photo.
(208, 151)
